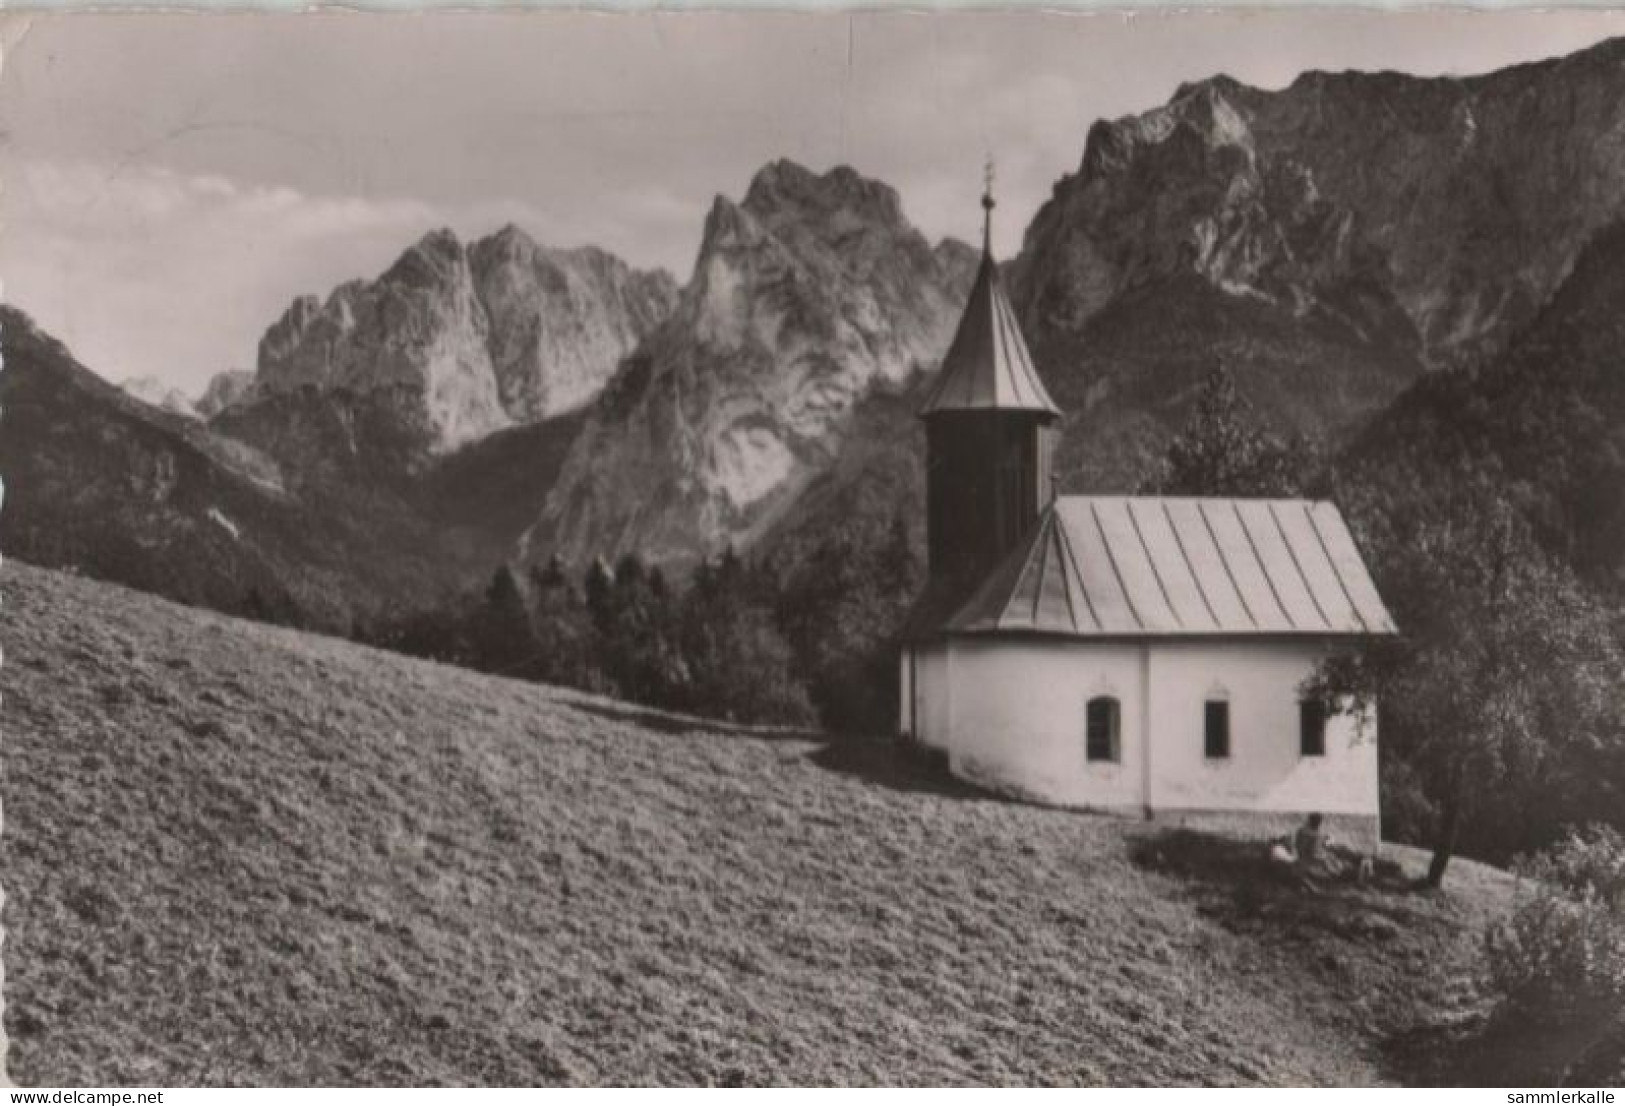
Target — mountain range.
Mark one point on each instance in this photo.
(806, 295)
(1327, 243)
(1358, 250)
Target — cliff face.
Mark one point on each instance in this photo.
(151, 390)
(1327, 243)
(808, 293)
(483, 337)
(225, 389)
(1544, 420)
(1460, 202)
(560, 320)
(419, 326)
(1480, 192)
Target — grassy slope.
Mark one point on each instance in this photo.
(235, 853)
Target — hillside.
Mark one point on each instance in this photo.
(1548, 416)
(100, 481)
(239, 854)
(325, 530)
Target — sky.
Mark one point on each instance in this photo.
(172, 182)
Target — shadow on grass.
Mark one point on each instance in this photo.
(668, 722)
(1509, 1047)
(884, 761)
(1214, 858)
(895, 765)
(1381, 933)
(1235, 882)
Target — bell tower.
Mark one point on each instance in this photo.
(990, 431)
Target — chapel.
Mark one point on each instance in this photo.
(1136, 655)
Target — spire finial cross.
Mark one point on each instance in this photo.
(988, 203)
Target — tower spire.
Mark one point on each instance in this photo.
(987, 366)
(988, 204)
(989, 434)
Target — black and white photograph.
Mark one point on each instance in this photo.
(813, 549)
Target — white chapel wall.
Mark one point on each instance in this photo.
(1010, 714)
(906, 705)
(1018, 719)
(1266, 770)
(933, 694)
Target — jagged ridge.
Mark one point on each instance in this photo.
(494, 334)
(806, 294)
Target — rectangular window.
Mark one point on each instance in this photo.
(1216, 728)
(1101, 742)
(1312, 728)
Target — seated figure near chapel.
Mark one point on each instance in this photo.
(1312, 849)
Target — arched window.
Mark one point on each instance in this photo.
(1216, 729)
(1100, 739)
(1311, 728)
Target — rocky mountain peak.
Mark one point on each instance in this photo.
(289, 330)
(1182, 135)
(151, 390)
(561, 320)
(496, 333)
(728, 226)
(508, 245)
(786, 192)
(1449, 207)
(805, 295)
(225, 389)
(1218, 85)
(419, 326)
(441, 244)
(510, 235)
(435, 260)
(716, 306)
(1212, 109)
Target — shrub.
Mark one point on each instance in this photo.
(1562, 950)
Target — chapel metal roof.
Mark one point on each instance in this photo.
(987, 366)
(1126, 567)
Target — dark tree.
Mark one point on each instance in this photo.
(738, 663)
(841, 607)
(504, 642)
(1222, 451)
(599, 588)
(551, 575)
(634, 620)
(565, 644)
(1505, 678)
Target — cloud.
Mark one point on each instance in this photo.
(173, 182)
(149, 272)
